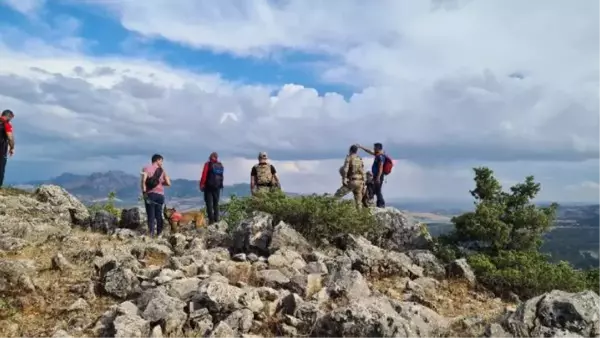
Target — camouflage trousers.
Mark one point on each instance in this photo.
(356, 188)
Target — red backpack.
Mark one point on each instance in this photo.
(388, 164)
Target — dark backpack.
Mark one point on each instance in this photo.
(214, 179)
(154, 180)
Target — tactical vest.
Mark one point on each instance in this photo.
(264, 176)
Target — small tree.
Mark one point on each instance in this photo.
(108, 206)
(503, 220)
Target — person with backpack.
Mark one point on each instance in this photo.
(263, 176)
(353, 177)
(382, 166)
(211, 184)
(7, 141)
(154, 179)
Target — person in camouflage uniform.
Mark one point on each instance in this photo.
(263, 177)
(353, 177)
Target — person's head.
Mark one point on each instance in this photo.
(378, 147)
(213, 156)
(157, 159)
(8, 115)
(263, 157)
(353, 149)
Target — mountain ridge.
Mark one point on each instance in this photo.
(96, 186)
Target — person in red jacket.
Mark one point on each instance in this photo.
(211, 184)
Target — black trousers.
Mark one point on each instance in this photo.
(211, 199)
(154, 205)
(377, 186)
(3, 160)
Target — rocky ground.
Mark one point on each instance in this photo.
(64, 273)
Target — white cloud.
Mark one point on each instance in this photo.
(444, 89)
(27, 7)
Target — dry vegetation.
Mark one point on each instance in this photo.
(452, 299)
(46, 310)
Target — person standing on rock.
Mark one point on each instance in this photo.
(211, 184)
(378, 170)
(154, 179)
(353, 177)
(7, 141)
(263, 176)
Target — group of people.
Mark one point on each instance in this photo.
(365, 186)
(263, 178)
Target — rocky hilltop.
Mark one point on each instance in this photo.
(64, 272)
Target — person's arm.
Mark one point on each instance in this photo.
(11, 138)
(380, 169)
(143, 177)
(203, 177)
(369, 151)
(275, 176)
(166, 179)
(345, 170)
(252, 178)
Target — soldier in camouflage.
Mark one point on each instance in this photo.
(353, 177)
(263, 176)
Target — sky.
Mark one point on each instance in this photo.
(445, 85)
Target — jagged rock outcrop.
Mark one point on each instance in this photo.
(398, 231)
(259, 278)
(553, 314)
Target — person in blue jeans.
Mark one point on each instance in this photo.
(377, 170)
(153, 183)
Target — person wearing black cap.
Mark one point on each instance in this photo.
(7, 141)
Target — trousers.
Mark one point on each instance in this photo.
(211, 199)
(154, 205)
(356, 187)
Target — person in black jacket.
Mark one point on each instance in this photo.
(211, 184)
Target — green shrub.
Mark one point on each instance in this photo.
(108, 206)
(316, 217)
(505, 231)
(529, 274)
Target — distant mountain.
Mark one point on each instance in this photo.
(97, 186)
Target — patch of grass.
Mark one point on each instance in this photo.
(12, 191)
(7, 308)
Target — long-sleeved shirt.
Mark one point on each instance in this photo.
(205, 173)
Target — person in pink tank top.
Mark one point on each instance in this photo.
(153, 181)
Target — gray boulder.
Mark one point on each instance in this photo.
(64, 203)
(133, 218)
(253, 234)
(397, 231)
(556, 314)
(104, 222)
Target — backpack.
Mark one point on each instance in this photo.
(264, 175)
(154, 180)
(357, 168)
(215, 175)
(388, 164)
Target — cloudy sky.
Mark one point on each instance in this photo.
(445, 85)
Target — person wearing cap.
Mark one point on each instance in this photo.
(7, 141)
(211, 184)
(263, 176)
